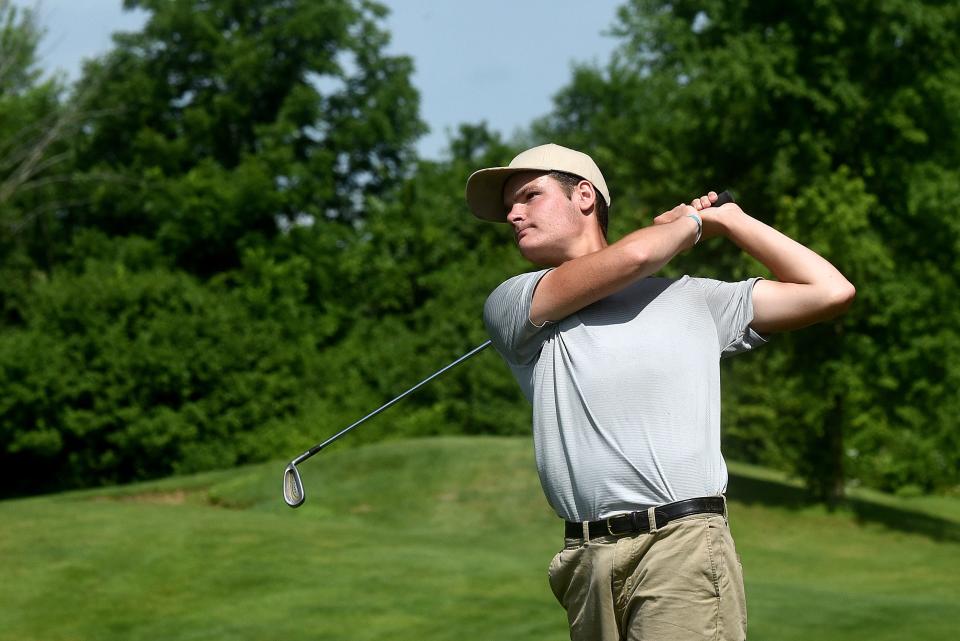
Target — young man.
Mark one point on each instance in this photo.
(622, 370)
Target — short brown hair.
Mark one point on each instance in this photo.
(569, 181)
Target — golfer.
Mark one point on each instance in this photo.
(622, 370)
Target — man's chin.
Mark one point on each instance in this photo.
(538, 256)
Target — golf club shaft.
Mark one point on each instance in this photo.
(316, 448)
(723, 198)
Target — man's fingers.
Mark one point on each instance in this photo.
(684, 209)
(704, 201)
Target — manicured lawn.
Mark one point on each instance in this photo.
(432, 539)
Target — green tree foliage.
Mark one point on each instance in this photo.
(195, 263)
(229, 251)
(32, 125)
(125, 369)
(422, 270)
(837, 123)
(236, 120)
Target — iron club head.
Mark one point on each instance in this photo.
(293, 487)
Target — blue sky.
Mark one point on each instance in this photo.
(498, 60)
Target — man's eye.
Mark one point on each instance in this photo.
(531, 194)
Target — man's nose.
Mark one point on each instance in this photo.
(514, 214)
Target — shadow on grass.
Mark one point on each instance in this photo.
(753, 491)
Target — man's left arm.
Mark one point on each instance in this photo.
(808, 288)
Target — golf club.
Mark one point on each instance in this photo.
(293, 486)
(293, 493)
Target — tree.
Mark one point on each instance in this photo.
(32, 127)
(237, 120)
(833, 121)
(421, 272)
(182, 309)
(122, 372)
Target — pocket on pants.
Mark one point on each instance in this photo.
(561, 572)
(733, 602)
(552, 571)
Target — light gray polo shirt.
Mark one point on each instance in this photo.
(625, 392)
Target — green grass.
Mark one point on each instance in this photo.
(433, 539)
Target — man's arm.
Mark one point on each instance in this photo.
(808, 288)
(584, 280)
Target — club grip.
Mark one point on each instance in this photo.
(723, 198)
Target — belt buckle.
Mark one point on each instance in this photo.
(609, 529)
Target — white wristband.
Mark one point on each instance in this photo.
(696, 218)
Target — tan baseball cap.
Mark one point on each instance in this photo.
(485, 187)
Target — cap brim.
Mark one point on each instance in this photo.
(485, 192)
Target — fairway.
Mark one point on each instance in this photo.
(445, 538)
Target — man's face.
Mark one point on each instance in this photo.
(547, 224)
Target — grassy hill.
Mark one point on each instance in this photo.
(433, 539)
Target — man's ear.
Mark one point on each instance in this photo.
(586, 196)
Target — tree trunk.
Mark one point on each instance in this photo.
(834, 485)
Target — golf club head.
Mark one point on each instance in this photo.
(292, 487)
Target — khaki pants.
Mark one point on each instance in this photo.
(682, 582)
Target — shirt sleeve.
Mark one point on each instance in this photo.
(506, 315)
(731, 305)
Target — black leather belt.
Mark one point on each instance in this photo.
(639, 522)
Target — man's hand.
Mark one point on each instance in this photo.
(677, 212)
(712, 217)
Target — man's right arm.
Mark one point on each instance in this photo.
(586, 279)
